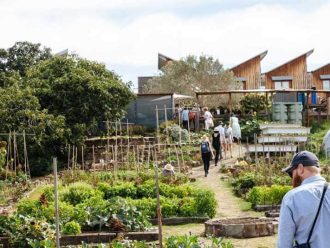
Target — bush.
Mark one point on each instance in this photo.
(174, 132)
(262, 195)
(78, 192)
(71, 228)
(244, 183)
(187, 207)
(205, 203)
(123, 189)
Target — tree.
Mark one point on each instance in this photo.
(84, 92)
(20, 111)
(18, 58)
(192, 74)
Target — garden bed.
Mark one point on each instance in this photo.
(180, 220)
(246, 227)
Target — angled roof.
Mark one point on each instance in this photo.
(304, 54)
(261, 55)
(321, 67)
(162, 60)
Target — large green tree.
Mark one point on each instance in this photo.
(21, 56)
(84, 92)
(20, 111)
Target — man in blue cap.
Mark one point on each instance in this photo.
(305, 210)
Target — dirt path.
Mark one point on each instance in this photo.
(228, 206)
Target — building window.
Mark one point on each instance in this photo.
(281, 85)
(326, 84)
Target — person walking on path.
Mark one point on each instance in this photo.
(208, 117)
(222, 139)
(185, 118)
(229, 139)
(207, 153)
(233, 122)
(305, 210)
(216, 143)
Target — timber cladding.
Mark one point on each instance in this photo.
(249, 72)
(295, 69)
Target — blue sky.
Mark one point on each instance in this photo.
(126, 35)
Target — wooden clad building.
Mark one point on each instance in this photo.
(249, 72)
(321, 79)
(290, 75)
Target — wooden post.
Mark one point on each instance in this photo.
(57, 219)
(157, 123)
(69, 151)
(179, 115)
(127, 128)
(307, 108)
(230, 107)
(166, 125)
(108, 144)
(82, 158)
(93, 148)
(159, 212)
(116, 153)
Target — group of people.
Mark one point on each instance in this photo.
(222, 139)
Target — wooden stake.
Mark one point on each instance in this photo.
(157, 123)
(57, 219)
(69, 151)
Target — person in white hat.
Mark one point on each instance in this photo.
(168, 170)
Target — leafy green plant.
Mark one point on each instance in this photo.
(71, 228)
(267, 195)
(205, 203)
(78, 192)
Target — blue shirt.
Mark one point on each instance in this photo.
(185, 115)
(298, 210)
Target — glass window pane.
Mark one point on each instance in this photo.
(326, 84)
(278, 85)
(285, 85)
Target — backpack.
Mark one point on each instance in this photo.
(205, 147)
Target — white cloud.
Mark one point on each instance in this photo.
(97, 30)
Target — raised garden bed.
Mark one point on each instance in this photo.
(246, 227)
(262, 208)
(180, 220)
(95, 238)
(272, 213)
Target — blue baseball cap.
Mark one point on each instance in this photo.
(305, 158)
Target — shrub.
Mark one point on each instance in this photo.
(187, 207)
(71, 228)
(174, 132)
(267, 195)
(205, 203)
(78, 192)
(123, 189)
(244, 183)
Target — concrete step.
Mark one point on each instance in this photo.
(281, 139)
(276, 125)
(271, 148)
(285, 130)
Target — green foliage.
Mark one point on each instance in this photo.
(192, 241)
(244, 183)
(182, 241)
(318, 131)
(262, 195)
(31, 232)
(254, 103)
(84, 92)
(191, 74)
(205, 203)
(249, 128)
(78, 192)
(71, 228)
(174, 132)
(125, 189)
(3, 154)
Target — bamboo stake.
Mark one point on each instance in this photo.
(157, 123)
(93, 154)
(127, 128)
(69, 151)
(57, 219)
(166, 125)
(82, 158)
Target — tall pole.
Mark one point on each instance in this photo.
(159, 213)
(57, 220)
(157, 123)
